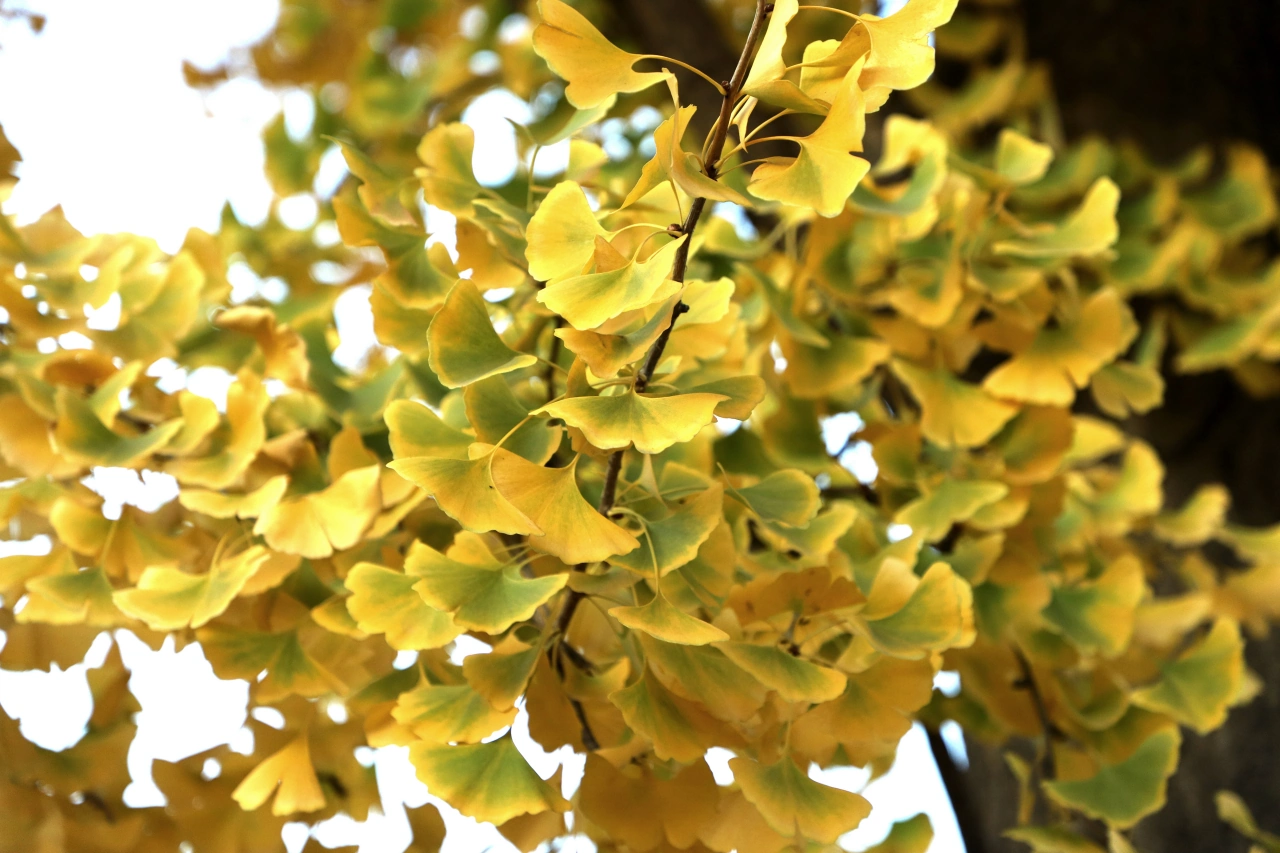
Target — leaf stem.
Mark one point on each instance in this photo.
(685, 65)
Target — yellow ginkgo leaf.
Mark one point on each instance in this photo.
(703, 674)
(1089, 230)
(464, 488)
(660, 619)
(316, 525)
(1197, 688)
(71, 598)
(562, 233)
(937, 613)
(587, 301)
(500, 676)
(463, 345)
(792, 803)
(678, 729)
(482, 593)
(222, 505)
(901, 56)
(168, 599)
(384, 601)
(642, 809)
(234, 444)
(1063, 358)
(289, 775)
(283, 349)
(953, 412)
(795, 679)
(767, 78)
(651, 424)
(449, 713)
(1020, 160)
(824, 174)
(486, 781)
(448, 181)
(593, 67)
(571, 528)
(1098, 615)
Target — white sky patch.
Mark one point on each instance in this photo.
(147, 490)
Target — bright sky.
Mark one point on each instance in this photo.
(108, 129)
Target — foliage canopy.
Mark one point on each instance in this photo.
(604, 438)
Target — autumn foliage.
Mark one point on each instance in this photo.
(613, 438)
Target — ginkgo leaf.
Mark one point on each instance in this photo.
(318, 524)
(1090, 229)
(1020, 160)
(82, 437)
(795, 679)
(1098, 614)
(447, 179)
(168, 599)
(562, 233)
(71, 598)
(901, 55)
(1197, 688)
(462, 342)
(482, 593)
(587, 301)
(705, 675)
(668, 543)
(786, 497)
(464, 488)
(953, 412)
(793, 803)
(450, 713)
(1062, 359)
(486, 781)
(571, 528)
(497, 415)
(678, 729)
(289, 775)
(936, 615)
(1125, 792)
(500, 676)
(661, 620)
(221, 505)
(931, 515)
(384, 601)
(651, 424)
(418, 431)
(767, 78)
(824, 174)
(283, 349)
(593, 67)
(644, 809)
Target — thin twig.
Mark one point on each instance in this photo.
(1048, 768)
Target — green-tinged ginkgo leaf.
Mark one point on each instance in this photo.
(81, 437)
(913, 835)
(318, 524)
(234, 444)
(661, 620)
(794, 804)
(1197, 688)
(482, 593)
(221, 505)
(289, 775)
(1097, 615)
(586, 301)
(651, 424)
(562, 233)
(1199, 519)
(497, 415)
(678, 729)
(384, 601)
(285, 656)
(824, 174)
(1124, 793)
(784, 497)
(671, 542)
(1233, 811)
(937, 612)
(486, 781)
(593, 67)
(463, 345)
(1089, 230)
(705, 675)
(931, 515)
(953, 412)
(464, 489)
(71, 598)
(795, 679)
(418, 431)
(1020, 160)
(168, 599)
(571, 528)
(449, 713)
(500, 676)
